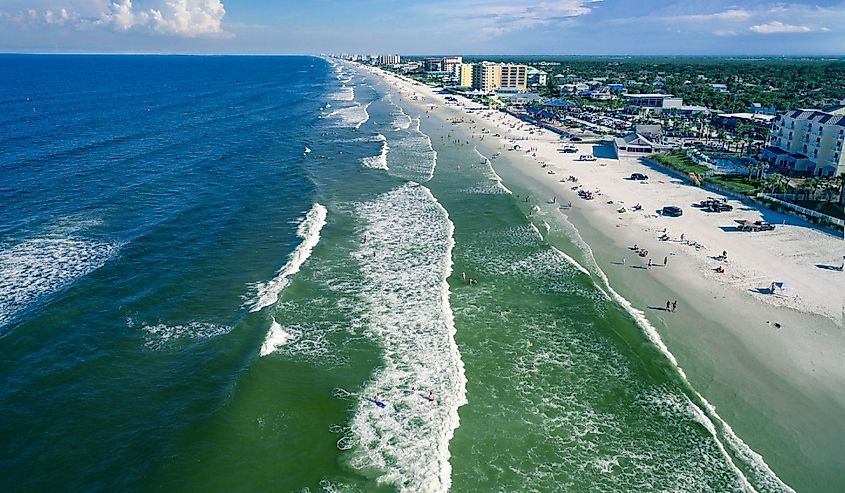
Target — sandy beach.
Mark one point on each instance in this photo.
(771, 362)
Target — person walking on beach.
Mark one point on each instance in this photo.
(668, 305)
(674, 305)
(650, 263)
(665, 261)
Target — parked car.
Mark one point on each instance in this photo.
(720, 207)
(639, 176)
(586, 157)
(746, 225)
(569, 149)
(575, 139)
(672, 211)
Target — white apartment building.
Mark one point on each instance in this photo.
(808, 142)
(389, 60)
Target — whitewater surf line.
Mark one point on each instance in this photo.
(705, 412)
(492, 172)
(267, 293)
(379, 161)
(405, 263)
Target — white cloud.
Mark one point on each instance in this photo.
(730, 15)
(759, 18)
(186, 18)
(774, 27)
(501, 16)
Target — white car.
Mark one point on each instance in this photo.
(586, 157)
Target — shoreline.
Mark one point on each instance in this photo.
(773, 386)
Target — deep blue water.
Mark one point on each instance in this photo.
(136, 192)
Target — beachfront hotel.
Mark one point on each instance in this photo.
(489, 77)
(463, 74)
(808, 142)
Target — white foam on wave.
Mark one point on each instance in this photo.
(39, 267)
(160, 335)
(405, 264)
(345, 93)
(491, 175)
(379, 161)
(267, 293)
(412, 156)
(401, 120)
(352, 116)
(276, 338)
(708, 417)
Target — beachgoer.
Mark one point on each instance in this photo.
(650, 263)
(623, 260)
(772, 288)
(430, 397)
(682, 237)
(724, 254)
(674, 305)
(668, 305)
(463, 276)
(665, 261)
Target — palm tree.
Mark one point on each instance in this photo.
(841, 179)
(808, 186)
(776, 183)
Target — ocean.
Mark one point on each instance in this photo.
(251, 274)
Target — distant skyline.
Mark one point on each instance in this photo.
(470, 27)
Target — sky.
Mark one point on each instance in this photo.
(413, 27)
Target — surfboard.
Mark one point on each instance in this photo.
(377, 403)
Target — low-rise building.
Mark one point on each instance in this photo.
(634, 143)
(537, 77)
(656, 103)
(808, 142)
(759, 109)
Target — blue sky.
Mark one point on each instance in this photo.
(702, 27)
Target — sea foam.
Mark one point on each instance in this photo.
(267, 293)
(351, 116)
(276, 338)
(405, 263)
(38, 267)
(379, 161)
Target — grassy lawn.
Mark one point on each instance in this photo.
(679, 161)
(739, 184)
